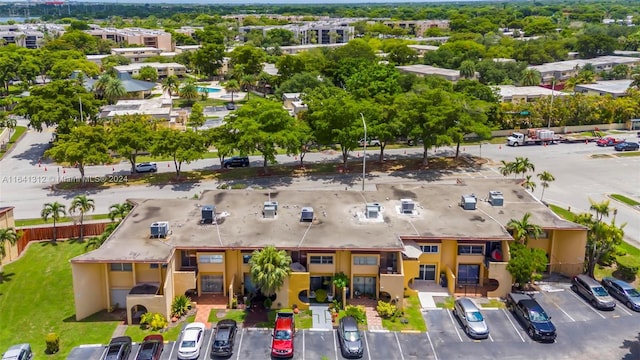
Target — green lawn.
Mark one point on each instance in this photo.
(237, 315)
(447, 303)
(562, 212)
(624, 199)
(412, 319)
(17, 132)
(493, 303)
(36, 298)
(39, 221)
(303, 319)
(628, 154)
(138, 334)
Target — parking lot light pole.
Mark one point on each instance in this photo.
(364, 152)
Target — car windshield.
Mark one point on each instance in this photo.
(538, 316)
(188, 344)
(474, 316)
(220, 343)
(600, 291)
(633, 293)
(351, 336)
(145, 355)
(283, 335)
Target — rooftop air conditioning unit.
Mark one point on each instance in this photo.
(160, 229)
(496, 198)
(373, 210)
(270, 209)
(469, 202)
(307, 214)
(208, 214)
(407, 206)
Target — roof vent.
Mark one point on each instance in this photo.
(307, 214)
(407, 206)
(373, 210)
(160, 229)
(270, 209)
(208, 214)
(469, 202)
(496, 198)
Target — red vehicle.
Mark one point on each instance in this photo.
(283, 333)
(151, 348)
(608, 141)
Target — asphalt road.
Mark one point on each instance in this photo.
(26, 180)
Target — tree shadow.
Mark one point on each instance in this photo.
(100, 316)
(634, 348)
(34, 154)
(49, 243)
(6, 277)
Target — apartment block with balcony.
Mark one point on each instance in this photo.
(418, 27)
(158, 39)
(164, 69)
(316, 32)
(386, 242)
(137, 54)
(562, 70)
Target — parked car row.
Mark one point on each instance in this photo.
(119, 348)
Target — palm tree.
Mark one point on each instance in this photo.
(101, 84)
(81, 204)
(8, 235)
(55, 211)
(507, 168)
(232, 86)
(522, 165)
(468, 69)
(270, 267)
(546, 178)
(114, 90)
(189, 91)
(529, 184)
(523, 229)
(246, 83)
(117, 212)
(170, 85)
(602, 209)
(97, 241)
(530, 77)
(635, 83)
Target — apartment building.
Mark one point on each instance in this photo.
(418, 27)
(563, 70)
(524, 94)
(614, 88)
(164, 69)
(137, 54)
(30, 36)
(426, 70)
(316, 32)
(158, 39)
(7, 221)
(387, 242)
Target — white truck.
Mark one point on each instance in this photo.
(533, 137)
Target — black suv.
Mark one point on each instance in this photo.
(532, 316)
(118, 349)
(224, 337)
(236, 161)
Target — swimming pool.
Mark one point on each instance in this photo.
(207, 89)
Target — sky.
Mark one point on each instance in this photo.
(247, 2)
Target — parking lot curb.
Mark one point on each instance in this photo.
(429, 309)
(411, 332)
(320, 330)
(90, 345)
(258, 329)
(379, 331)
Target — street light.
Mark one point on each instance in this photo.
(364, 152)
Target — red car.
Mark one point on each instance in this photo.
(608, 141)
(151, 348)
(283, 333)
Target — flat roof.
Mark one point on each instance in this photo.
(509, 91)
(156, 65)
(424, 47)
(125, 50)
(429, 70)
(614, 87)
(578, 63)
(339, 221)
(5, 209)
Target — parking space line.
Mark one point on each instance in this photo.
(239, 344)
(432, 348)
(210, 338)
(490, 338)
(585, 303)
(302, 344)
(103, 352)
(399, 347)
(335, 344)
(366, 341)
(455, 327)
(512, 324)
(172, 348)
(559, 308)
(623, 308)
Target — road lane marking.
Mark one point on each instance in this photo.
(335, 344)
(399, 347)
(240, 344)
(512, 324)
(455, 326)
(561, 309)
(587, 305)
(432, 348)
(366, 341)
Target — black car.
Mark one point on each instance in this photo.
(349, 338)
(231, 106)
(627, 146)
(623, 291)
(236, 161)
(224, 337)
(532, 316)
(119, 348)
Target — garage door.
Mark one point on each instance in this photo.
(119, 297)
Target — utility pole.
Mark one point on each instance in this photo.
(364, 152)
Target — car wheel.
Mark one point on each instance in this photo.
(629, 305)
(515, 144)
(573, 287)
(531, 333)
(594, 303)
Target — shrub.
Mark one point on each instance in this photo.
(628, 266)
(158, 322)
(53, 343)
(234, 303)
(357, 312)
(181, 305)
(321, 295)
(386, 310)
(267, 303)
(341, 280)
(145, 319)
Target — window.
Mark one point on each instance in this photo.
(246, 258)
(153, 266)
(121, 267)
(321, 259)
(429, 249)
(365, 260)
(211, 259)
(470, 249)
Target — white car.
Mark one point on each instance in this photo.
(146, 167)
(192, 338)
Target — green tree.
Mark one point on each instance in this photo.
(249, 57)
(209, 59)
(289, 65)
(171, 85)
(232, 87)
(280, 37)
(181, 146)
(525, 263)
(81, 204)
(9, 63)
(196, 117)
(148, 73)
(130, 135)
(530, 77)
(523, 229)
(468, 69)
(299, 83)
(506, 168)
(528, 183)
(97, 241)
(114, 90)
(545, 178)
(522, 165)
(189, 91)
(55, 211)
(7, 236)
(117, 212)
(85, 145)
(269, 269)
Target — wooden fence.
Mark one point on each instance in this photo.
(62, 232)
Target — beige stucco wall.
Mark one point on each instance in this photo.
(498, 271)
(568, 249)
(7, 221)
(411, 270)
(145, 274)
(120, 279)
(394, 285)
(89, 289)
(153, 303)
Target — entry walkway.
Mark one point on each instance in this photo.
(427, 290)
(321, 317)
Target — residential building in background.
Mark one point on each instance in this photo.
(7, 221)
(159, 39)
(418, 27)
(317, 32)
(563, 70)
(137, 54)
(164, 69)
(30, 36)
